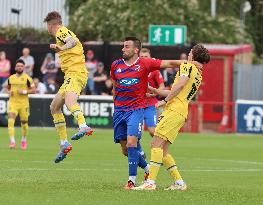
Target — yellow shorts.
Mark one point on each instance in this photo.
(169, 124)
(73, 83)
(22, 111)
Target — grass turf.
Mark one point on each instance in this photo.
(219, 169)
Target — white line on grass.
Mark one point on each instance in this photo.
(225, 160)
(117, 170)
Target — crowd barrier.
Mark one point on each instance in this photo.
(242, 116)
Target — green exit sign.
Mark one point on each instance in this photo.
(167, 34)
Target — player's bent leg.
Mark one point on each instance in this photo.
(24, 128)
(142, 162)
(64, 150)
(170, 165)
(74, 108)
(11, 129)
(151, 130)
(124, 148)
(60, 125)
(140, 150)
(155, 164)
(133, 157)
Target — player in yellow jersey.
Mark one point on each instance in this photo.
(72, 59)
(185, 86)
(19, 85)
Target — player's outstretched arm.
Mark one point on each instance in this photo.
(70, 43)
(177, 87)
(177, 63)
(161, 92)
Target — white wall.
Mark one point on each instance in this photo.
(33, 12)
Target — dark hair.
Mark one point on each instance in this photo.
(136, 41)
(53, 16)
(20, 61)
(200, 54)
(145, 50)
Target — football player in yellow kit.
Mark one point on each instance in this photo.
(72, 59)
(187, 81)
(19, 85)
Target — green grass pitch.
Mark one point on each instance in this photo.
(219, 169)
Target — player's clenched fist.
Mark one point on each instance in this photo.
(55, 47)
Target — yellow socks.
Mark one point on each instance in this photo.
(11, 127)
(155, 163)
(24, 127)
(170, 165)
(60, 125)
(78, 114)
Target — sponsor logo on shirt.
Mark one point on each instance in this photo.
(129, 81)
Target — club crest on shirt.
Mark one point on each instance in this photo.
(137, 67)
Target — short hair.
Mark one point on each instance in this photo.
(200, 54)
(145, 50)
(53, 16)
(20, 61)
(136, 41)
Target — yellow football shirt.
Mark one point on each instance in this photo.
(22, 82)
(181, 101)
(73, 59)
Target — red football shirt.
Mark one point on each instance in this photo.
(131, 82)
(155, 78)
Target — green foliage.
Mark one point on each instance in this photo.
(73, 5)
(26, 34)
(112, 20)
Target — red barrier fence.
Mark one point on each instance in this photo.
(197, 123)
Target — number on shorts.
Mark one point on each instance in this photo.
(68, 81)
(160, 118)
(140, 127)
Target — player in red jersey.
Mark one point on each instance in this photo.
(130, 80)
(155, 80)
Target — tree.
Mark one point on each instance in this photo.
(112, 20)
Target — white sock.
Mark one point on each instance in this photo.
(150, 181)
(23, 138)
(179, 182)
(62, 142)
(83, 125)
(146, 169)
(132, 178)
(12, 139)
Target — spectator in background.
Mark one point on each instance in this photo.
(170, 73)
(40, 87)
(52, 87)
(183, 56)
(48, 68)
(29, 61)
(99, 79)
(60, 74)
(109, 86)
(5, 67)
(168, 76)
(91, 66)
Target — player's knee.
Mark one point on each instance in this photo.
(24, 122)
(131, 144)
(124, 152)
(12, 115)
(151, 132)
(156, 143)
(54, 109)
